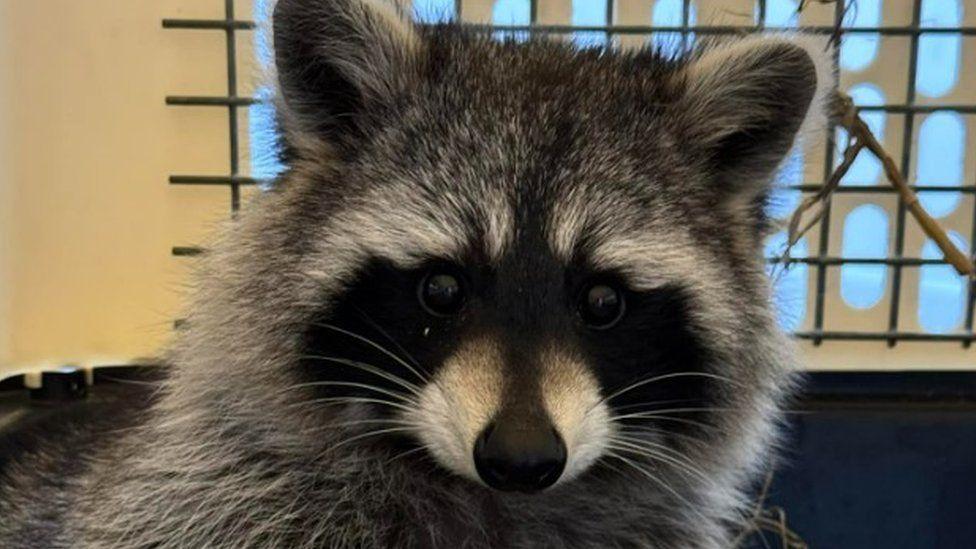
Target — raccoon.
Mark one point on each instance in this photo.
(505, 294)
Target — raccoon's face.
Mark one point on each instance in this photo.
(534, 259)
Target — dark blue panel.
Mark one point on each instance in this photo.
(893, 476)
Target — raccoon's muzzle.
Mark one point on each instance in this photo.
(519, 455)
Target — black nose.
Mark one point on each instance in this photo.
(510, 456)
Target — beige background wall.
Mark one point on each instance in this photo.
(87, 218)
(85, 150)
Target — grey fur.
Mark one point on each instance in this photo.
(448, 129)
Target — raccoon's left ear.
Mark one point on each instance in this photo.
(339, 63)
(744, 102)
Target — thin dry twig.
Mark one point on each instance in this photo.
(769, 519)
(861, 138)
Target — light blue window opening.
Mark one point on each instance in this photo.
(262, 39)
(512, 12)
(668, 13)
(865, 235)
(265, 157)
(866, 170)
(938, 54)
(941, 291)
(262, 128)
(941, 152)
(590, 13)
(781, 13)
(858, 49)
(783, 199)
(434, 11)
(789, 282)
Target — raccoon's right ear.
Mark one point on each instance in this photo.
(745, 101)
(339, 63)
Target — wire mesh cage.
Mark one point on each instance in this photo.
(865, 273)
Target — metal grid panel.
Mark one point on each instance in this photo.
(823, 261)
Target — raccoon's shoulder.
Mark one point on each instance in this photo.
(46, 451)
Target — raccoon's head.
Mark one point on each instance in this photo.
(531, 260)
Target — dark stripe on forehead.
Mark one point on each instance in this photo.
(530, 308)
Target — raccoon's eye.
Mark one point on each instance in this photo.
(441, 293)
(601, 306)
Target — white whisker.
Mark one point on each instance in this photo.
(659, 482)
(376, 346)
(376, 326)
(368, 434)
(655, 403)
(373, 422)
(406, 453)
(356, 400)
(638, 430)
(399, 396)
(413, 388)
(654, 413)
(662, 453)
(662, 377)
